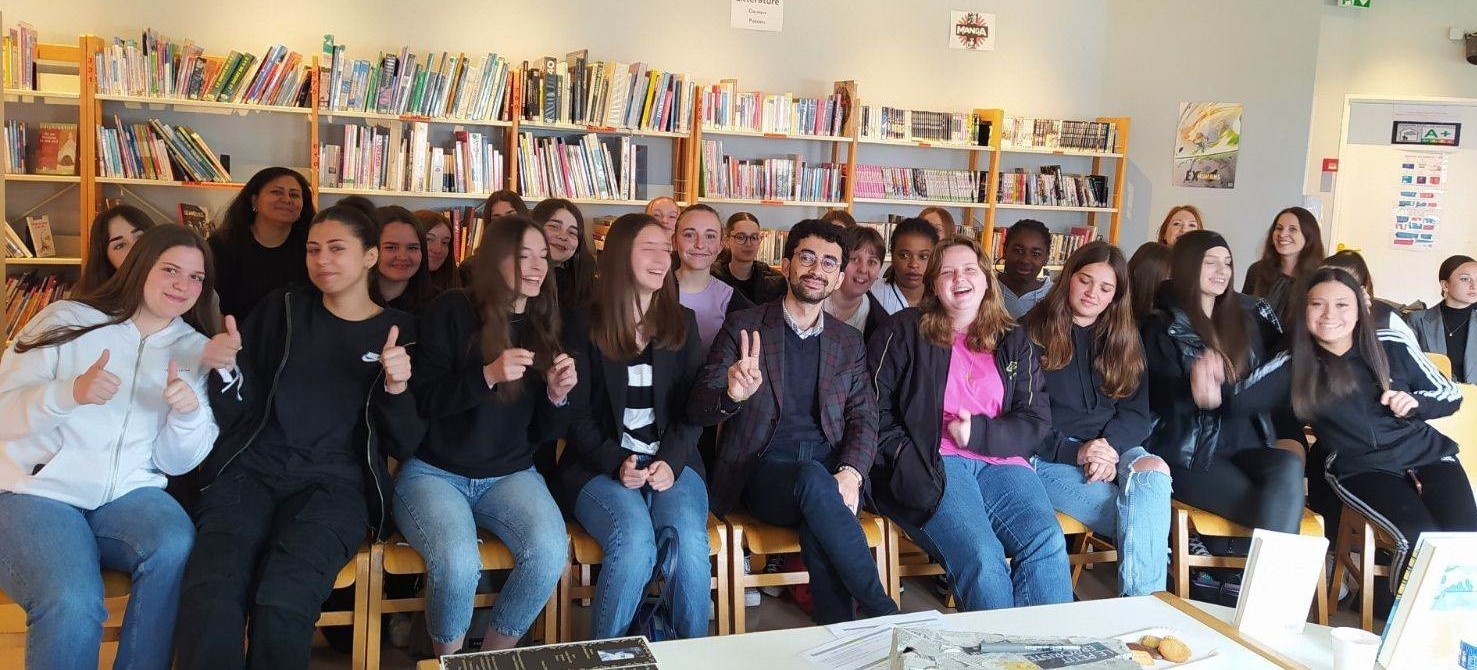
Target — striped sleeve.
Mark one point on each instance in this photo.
(1438, 396)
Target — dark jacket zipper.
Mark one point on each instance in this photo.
(271, 392)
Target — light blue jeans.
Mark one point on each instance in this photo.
(624, 521)
(51, 555)
(440, 512)
(1134, 511)
(1021, 525)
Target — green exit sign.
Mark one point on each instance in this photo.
(1354, 3)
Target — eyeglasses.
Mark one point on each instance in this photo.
(745, 238)
(808, 259)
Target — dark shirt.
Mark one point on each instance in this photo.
(1080, 411)
(800, 408)
(246, 271)
(311, 430)
(1457, 324)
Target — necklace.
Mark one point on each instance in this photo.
(1458, 329)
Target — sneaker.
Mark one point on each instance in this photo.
(773, 565)
(1197, 546)
(751, 594)
(941, 586)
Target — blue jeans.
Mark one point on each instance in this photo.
(440, 512)
(51, 555)
(1134, 512)
(624, 521)
(1022, 525)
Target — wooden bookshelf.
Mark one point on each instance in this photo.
(28, 262)
(199, 105)
(381, 193)
(411, 118)
(45, 178)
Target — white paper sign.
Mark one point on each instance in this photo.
(766, 15)
(1281, 575)
(974, 31)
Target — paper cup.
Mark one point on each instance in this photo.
(1354, 649)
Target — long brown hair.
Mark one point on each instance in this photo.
(989, 325)
(1164, 227)
(96, 268)
(506, 195)
(1227, 329)
(1309, 258)
(446, 276)
(1118, 352)
(122, 295)
(418, 291)
(1320, 377)
(944, 215)
(240, 215)
(613, 323)
(493, 299)
(580, 267)
(1147, 269)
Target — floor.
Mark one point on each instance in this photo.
(776, 613)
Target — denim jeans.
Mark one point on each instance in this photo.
(624, 521)
(51, 555)
(440, 512)
(1022, 525)
(793, 486)
(1134, 511)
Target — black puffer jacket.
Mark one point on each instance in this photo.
(1184, 434)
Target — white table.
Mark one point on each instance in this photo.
(772, 650)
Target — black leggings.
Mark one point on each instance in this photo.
(1394, 505)
(1261, 487)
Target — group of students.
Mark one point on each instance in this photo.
(277, 370)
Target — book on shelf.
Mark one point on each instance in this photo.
(56, 149)
(1062, 244)
(20, 57)
(1434, 620)
(401, 158)
(157, 150)
(15, 245)
(787, 178)
(726, 108)
(1029, 133)
(403, 83)
(900, 183)
(196, 218)
(26, 294)
(1051, 188)
(580, 91)
(880, 122)
(157, 66)
(17, 147)
(466, 230)
(42, 242)
(580, 166)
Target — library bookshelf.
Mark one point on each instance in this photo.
(93, 109)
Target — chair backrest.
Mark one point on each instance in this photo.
(1462, 427)
(1442, 363)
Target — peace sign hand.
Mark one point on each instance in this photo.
(745, 376)
(396, 362)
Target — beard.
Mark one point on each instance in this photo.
(807, 295)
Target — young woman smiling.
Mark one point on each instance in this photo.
(665, 210)
(912, 245)
(260, 245)
(101, 396)
(1294, 249)
(571, 251)
(1368, 396)
(403, 275)
(439, 242)
(113, 233)
(853, 302)
(698, 240)
(1181, 219)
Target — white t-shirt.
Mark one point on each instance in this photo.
(890, 296)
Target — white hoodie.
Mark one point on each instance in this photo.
(90, 455)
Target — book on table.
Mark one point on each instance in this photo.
(1436, 607)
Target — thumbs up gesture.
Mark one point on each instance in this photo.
(178, 392)
(220, 351)
(959, 429)
(96, 386)
(396, 362)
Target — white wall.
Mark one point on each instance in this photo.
(1257, 52)
(1397, 47)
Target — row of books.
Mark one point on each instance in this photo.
(51, 150)
(158, 66)
(1062, 244)
(26, 294)
(444, 85)
(381, 158)
(1051, 188)
(787, 178)
(726, 108)
(1025, 133)
(885, 227)
(39, 243)
(157, 150)
(579, 91)
(585, 166)
(907, 183)
(20, 57)
(895, 123)
(466, 230)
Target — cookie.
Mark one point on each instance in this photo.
(1174, 650)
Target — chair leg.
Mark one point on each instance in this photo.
(1341, 559)
(722, 607)
(1366, 578)
(892, 538)
(360, 651)
(1320, 602)
(374, 596)
(564, 594)
(736, 572)
(586, 579)
(549, 623)
(1179, 552)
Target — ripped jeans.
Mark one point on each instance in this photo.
(1133, 510)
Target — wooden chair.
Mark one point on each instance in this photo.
(396, 557)
(1461, 427)
(576, 584)
(13, 617)
(1185, 517)
(1087, 550)
(1357, 535)
(356, 574)
(761, 539)
(1442, 363)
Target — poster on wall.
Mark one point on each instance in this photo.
(1417, 212)
(765, 15)
(1207, 140)
(974, 31)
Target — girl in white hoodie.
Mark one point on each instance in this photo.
(100, 398)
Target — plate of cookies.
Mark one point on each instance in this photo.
(1162, 648)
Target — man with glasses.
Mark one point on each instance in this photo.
(801, 431)
(737, 266)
